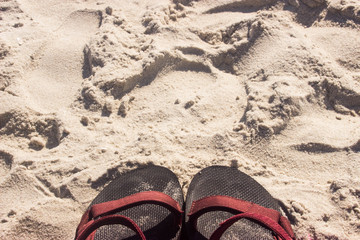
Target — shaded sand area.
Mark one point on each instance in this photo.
(91, 89)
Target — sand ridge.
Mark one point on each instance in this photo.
(91, 89)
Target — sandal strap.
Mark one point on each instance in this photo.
(236, 206)
(275, 227)
(148, 197)
(90, 228)
(101, 210)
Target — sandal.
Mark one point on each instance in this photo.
(145, 203)
(224, 202)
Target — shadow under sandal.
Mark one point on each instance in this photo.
(223, 202)
(141, 204)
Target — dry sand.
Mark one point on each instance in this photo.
(90, 89)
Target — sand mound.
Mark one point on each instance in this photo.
(91, 89)
(19, 124)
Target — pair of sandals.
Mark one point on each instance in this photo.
(148, 203)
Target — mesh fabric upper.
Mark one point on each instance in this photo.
(155, 221)
(226, 181)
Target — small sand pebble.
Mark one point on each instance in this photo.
(342, 194)
(109, 10)
(326, 217)
(118, 22)
(356, 210)
(189, 104)
(298, 208)
(238, 127)
(147, 152)
(84, 121)
(17, 25)
(294, 3)
(37, 143)
(11, 213)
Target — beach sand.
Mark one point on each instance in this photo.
(90, 89)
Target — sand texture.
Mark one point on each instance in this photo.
(90, 89)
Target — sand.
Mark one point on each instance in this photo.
(90, 89)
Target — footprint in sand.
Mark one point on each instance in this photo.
(53, 83)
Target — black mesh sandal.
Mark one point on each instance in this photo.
(223, 202)
(144, 203)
